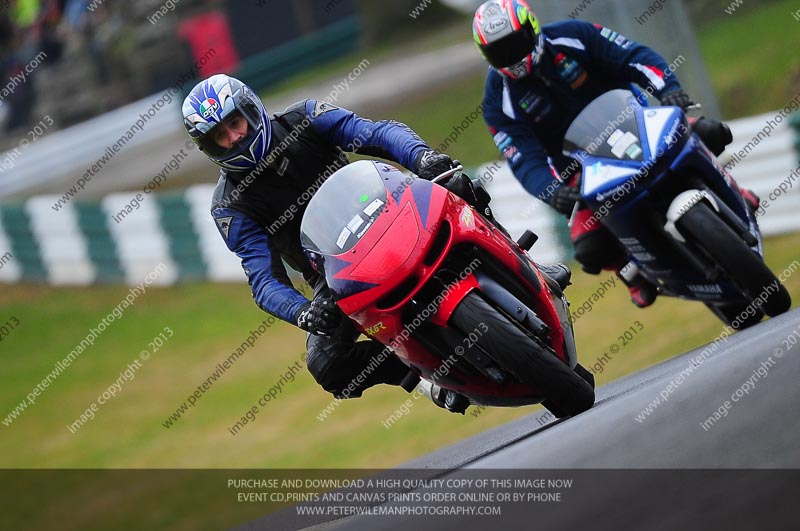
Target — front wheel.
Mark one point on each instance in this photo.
(737, 316)
(747, 270)
(530, 362)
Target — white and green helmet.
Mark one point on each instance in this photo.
(508, 36)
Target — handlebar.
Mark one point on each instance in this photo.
(574, 214)
(449, 173)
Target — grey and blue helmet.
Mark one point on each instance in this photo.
(212, 101)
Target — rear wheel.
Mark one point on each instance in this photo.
(526, 359)
(747, 270)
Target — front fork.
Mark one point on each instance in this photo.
(688, 199)
(514, 308)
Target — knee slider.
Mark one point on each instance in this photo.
(319, 363)
(332, 371)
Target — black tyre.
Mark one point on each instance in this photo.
(581, 371)
(701, 225)
(530, 362)
(737, 316)
(554, 407)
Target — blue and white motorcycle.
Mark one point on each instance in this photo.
(661, 192)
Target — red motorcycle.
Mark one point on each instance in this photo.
(461, 303)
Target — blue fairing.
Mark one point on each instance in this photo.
(397, 184)
(604, 179)
(662, 133)
(696, 158)
(629, 181)
(664, 129)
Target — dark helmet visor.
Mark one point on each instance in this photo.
(510, 49)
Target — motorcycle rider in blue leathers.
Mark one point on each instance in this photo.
(271, 166)
(541, 77)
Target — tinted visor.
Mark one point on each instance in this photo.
(250, 113)
(510, 49)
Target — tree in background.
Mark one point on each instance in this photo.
(403, 19)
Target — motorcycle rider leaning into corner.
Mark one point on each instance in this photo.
(541, 77)
(270, 168)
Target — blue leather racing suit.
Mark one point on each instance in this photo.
(528, 117)
(258, 214)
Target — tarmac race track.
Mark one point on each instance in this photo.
(712, 453)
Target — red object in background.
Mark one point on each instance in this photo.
(211, 31)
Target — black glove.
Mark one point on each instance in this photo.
(564, 198)
(677, 98)
(320, 317)
(716, 135)
(431, 164)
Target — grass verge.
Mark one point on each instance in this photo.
(209, 323)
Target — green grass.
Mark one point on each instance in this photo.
(449, 35)
(209, 322)
(752, 58)
(435, 116)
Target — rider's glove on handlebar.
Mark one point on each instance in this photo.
(678, 98)
(430, 164)
(564, 198)
(320, 317)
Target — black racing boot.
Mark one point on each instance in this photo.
(643, 292)
(444, 398)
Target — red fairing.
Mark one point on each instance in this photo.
(395, 255)
(393, 250)
(458, 290)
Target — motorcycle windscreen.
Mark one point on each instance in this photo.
(343, 209)
(607, 128)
